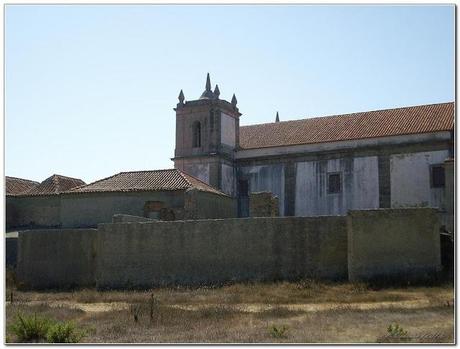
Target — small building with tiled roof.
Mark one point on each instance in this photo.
(323, 165)
(159, 194)
(39, 205)
(53, 185)
(15, 186)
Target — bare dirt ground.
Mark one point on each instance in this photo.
(302, 312)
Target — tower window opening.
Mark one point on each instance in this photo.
(197, 134)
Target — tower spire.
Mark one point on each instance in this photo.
(181, 97)
(277, 117)
(208, 83)
(234, 100)
(217, 92)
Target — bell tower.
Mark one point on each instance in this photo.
(207, 135)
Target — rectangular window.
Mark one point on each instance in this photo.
(334, 183)
(437, 176)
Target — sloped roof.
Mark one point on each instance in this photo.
(16, 185)
(156, 180)
(379, 123)
(54, 185)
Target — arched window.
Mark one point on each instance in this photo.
(197, 134)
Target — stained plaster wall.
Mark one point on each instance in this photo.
(410, 179)
(360, 186)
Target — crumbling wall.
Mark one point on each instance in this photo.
(263, 204)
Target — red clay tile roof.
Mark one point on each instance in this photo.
(379, 123)
(54, 185)
(156, 180)
(16, 186)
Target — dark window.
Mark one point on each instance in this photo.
(243, 188)
(437, 176)
(196, 135)
(334, 184)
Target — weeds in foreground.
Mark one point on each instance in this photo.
(36, 329)
(395, 334)
(30, 329)
(278, 332)
(63, 333)
(394, 330)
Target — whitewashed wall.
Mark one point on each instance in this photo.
(360, 186)
(266, 178)
(410, 179)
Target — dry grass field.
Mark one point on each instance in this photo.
(284, 312)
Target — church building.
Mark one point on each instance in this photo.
(318, 166)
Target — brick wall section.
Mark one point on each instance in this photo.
(393, 243)
(263, 204)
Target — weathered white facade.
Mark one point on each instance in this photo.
(319, 166)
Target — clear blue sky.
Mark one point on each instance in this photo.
(90, 89)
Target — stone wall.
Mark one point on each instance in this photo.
(365, 245)
(263, 204)
(215, 251)
(57, 258)
(393, 243)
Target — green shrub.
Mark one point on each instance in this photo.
(394, 330)
(278, 332)
(63, 333)
(30, 328)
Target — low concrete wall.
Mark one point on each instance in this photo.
(364, 245)
(392, 243)
(215, 251)
(57, 258)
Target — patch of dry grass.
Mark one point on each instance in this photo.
(214, 315)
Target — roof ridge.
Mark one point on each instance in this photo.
(166, 169)
(62, 176)
(99, 180)
(22, 179)
(348, 114)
